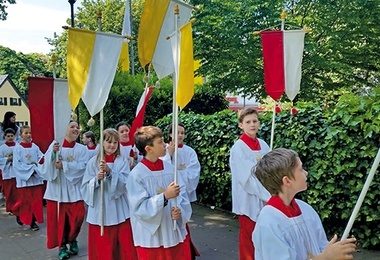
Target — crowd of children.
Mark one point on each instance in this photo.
(137, 200)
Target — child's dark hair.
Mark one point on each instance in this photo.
(7, 123)
(91, 135)
(170, 129)
(120, 124)
(246, 111)
(274, 166)
(145, 136)
(9, 130)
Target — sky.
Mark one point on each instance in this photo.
(29, 22)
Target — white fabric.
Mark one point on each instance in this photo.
(188, 167)
(94, 152)
(25, 166)
(278, 237)
(115, 207)
(5, 166)
(248, 194)
(163, 60)
(152, 224)
(293, 52)
(61, 108)
(127, 30)
(64, 184)
(102, 71)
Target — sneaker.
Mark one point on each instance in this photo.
(34, 227)
(73, 250)
(19, 221)
(63, 254)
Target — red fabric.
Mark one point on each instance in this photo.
(10, 144)
(139, 119)
(293, 210)
(26, 145)
(12, 202)
(252, 143)
(246, 248)
(153, 166)
(273, 54)
(193, 249)
(110, 158)
(179, 146)
(41, 116)
(66, 228)
(116, 242)
(31, 204)
(91, 147)
(181, 251)
(68, 144)
(124, 143)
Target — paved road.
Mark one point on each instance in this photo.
(215, 233)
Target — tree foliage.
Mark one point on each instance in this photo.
(340, 52)
(3, 7)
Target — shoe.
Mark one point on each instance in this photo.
(19, 221)
(73, 249)
(34, 227)
(63, 254)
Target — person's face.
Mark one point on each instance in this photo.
(85, 139)
(181, 134)
(9, 137)
(110, 146)
(124, 133)
(26, 135)
(73, 130)
(158, 148)
(299, 182)
(12, 119)
(250, 125)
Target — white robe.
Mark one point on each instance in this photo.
(152, 224)
(115, 207)
(277, 236)
(64, 184)
(188, 167)
(248, 194)
(26, 167)
(5, 166)
(92, 153)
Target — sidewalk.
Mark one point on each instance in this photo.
(215, 233)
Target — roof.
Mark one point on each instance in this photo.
(3, 78)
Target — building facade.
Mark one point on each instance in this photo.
(12, 100)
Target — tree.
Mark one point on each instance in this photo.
(3, 6)
(340, 52)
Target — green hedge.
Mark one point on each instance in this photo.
(337, 146)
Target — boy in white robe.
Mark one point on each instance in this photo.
(157, 202)
(289, 228)
(29, 179)
(63, 169)
(113, 170)
(248, 195)
(6, 167)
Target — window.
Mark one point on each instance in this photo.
(3, 101)
(15, 101)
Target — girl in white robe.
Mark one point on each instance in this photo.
(113, 170)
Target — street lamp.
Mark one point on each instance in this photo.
(72, 2)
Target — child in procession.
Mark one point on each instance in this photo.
(288, 228)
(64, 168)
(29, 179)
(9, 178)
(113, 170)
(248, 194)
(157, 202)
(88, 139)
(126, 148)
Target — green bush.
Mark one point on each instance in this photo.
(337, 146)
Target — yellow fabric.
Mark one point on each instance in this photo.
(79, 55)
(124, 57)
(185, 89)
(151, 21)
(198, 80)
